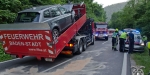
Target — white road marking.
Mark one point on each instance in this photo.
(57, 65)
(9, 60)
(92, 51)
(104, 42)
(12, 60)
(124, 66)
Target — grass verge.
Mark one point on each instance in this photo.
(3, 56)
(142, 59)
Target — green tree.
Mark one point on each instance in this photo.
(134, 15)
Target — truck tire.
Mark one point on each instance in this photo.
(55, 34)
(80, 47)
(93, 41)
(84, 44)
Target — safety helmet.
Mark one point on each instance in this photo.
(116, 30)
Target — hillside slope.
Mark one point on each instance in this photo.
(113, 8)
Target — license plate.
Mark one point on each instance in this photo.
(126, 45)
(100, 35)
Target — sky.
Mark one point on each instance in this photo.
(109, 2)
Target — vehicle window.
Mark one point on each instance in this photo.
(101, 26)
(47, 14)
(137, 36)
(55, 12)
(63, 10)
(28, 17)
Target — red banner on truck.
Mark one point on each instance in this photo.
(28, 42)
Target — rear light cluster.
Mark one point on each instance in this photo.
(69, 45)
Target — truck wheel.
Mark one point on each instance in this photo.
(93, 41)
(84, 44)
(55, 34)
(80, 47)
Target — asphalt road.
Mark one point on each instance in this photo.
(98, 59)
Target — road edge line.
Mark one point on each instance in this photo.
(12, 60)
(57, 65)
(124, 66)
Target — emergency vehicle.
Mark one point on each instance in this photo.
(36, 39)
(101, 30)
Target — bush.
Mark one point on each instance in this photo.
(3, 56)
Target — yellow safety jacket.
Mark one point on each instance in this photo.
(123, 35)
(148, 45)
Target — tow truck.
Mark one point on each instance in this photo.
(36, 39)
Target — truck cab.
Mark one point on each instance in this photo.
(101, 30)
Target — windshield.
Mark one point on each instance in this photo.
(102, 32)
(101, 26)
(28, 17)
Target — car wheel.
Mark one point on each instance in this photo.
(73, 20)
(72, 16)
(55, 34)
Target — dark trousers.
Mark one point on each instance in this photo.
(121, 44)
(131, 46)
(114, 43)
(145, 43)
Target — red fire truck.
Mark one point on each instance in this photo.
(36, 39)
(101, 30)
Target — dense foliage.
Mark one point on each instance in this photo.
(9, 9)
(135, 14)
(4, 56)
